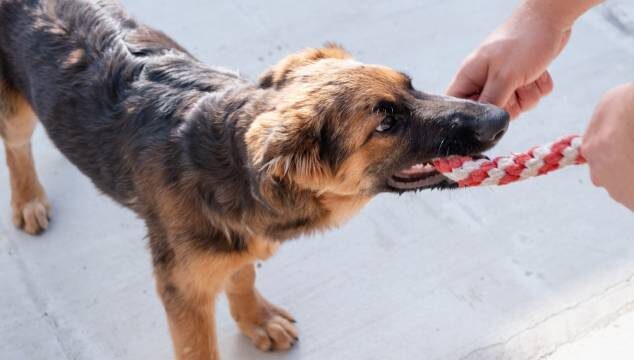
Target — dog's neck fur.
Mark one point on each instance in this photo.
(213, 141)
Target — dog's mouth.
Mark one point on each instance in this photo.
(421, 177)
(418, 177)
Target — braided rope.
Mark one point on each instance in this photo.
(503, 170)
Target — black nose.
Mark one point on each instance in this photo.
(490, 127)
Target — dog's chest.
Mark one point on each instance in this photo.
(340, 209)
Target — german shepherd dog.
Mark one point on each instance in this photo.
(221, 170)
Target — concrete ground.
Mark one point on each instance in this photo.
(538, 270)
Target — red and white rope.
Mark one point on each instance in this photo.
(503, 170)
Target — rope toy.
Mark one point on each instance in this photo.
(467, 171)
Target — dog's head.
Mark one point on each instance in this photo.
(339, 126)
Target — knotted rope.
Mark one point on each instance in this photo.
(467, 171)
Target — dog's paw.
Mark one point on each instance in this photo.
(32, 216)
(269, 327)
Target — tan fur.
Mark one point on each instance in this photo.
(29, 203)
(277, 74)
(199, 277)
(268, 326)
(56, 30)
(282, 142)
(74, 58)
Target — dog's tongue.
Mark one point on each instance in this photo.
(417, 170)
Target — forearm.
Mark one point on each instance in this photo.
(560, 13)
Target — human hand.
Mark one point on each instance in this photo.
(608, 144)
(510, 68)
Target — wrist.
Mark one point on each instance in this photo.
(559, 14)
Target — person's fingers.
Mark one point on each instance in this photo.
(528, 96)
(513, 106)
(498, 89)
(595, 178)
(564, 41)
(470, 79)
(545, 83)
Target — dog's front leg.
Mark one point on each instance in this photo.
(188, 297)
(268, 326)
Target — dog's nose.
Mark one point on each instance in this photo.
(490, 127)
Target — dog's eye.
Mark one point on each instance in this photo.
(387, 124)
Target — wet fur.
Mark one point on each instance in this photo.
(221, 170)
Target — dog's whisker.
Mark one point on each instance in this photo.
(222, 170)
(442, 142)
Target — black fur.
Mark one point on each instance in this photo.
(142, 117)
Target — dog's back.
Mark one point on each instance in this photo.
(52, 47)
(67, 60)
(221, 171)
(102, 84)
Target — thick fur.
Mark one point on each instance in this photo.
(222, 170)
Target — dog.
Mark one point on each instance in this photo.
(222, 170)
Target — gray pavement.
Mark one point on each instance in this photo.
(496, 273)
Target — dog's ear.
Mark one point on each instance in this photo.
(276, 76)
(286, 149)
